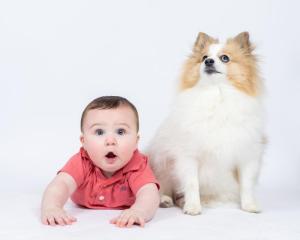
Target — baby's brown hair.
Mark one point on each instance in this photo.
(109, 102)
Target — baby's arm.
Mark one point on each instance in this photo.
(54, 198)
(144, 208)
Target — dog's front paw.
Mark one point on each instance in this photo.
(251, 207)
(166, 201)
(192, 209)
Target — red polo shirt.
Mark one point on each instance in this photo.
(94, 190)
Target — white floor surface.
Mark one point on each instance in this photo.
(280, 220)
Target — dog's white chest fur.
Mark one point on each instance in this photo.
(217, 117)
(213, 128)
(213, 118)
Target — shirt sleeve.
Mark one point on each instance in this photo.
(142, 177)
(75, 168)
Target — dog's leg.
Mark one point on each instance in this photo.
(248, 173)
(166, 201)
(187, 171)
(165, 191)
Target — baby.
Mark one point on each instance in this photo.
(108, 172)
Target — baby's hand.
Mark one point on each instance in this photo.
(56, 216)
(128, 217)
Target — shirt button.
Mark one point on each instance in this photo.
(101, 198)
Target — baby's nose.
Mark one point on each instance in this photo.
(110, 140)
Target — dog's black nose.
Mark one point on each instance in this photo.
(209, 62)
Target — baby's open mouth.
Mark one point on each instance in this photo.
(111, 158)
(110, 155)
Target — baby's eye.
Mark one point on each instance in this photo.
(121, 131)
(99, 132)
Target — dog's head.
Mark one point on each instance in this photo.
(232, 62)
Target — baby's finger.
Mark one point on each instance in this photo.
(44, 220)
(114, 220)
(60, 221)
(71, 219)
(141, 221)
(51, 221)
(131, 221)
(122, 221)
(66, 220)
(118, 220)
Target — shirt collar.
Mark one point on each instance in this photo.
(84, 154)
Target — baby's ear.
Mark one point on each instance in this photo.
(81, 139)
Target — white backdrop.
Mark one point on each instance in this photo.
(56, 56)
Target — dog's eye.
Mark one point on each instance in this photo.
(204, 57)
(224, 58)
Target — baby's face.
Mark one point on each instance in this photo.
(110, 137)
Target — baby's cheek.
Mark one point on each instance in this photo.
(127, 150)
(95, 148)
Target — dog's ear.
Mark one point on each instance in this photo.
(243, 41)
(202, 41)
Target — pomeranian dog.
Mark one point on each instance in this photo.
(209, 149)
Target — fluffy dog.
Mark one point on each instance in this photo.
(209, 149)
